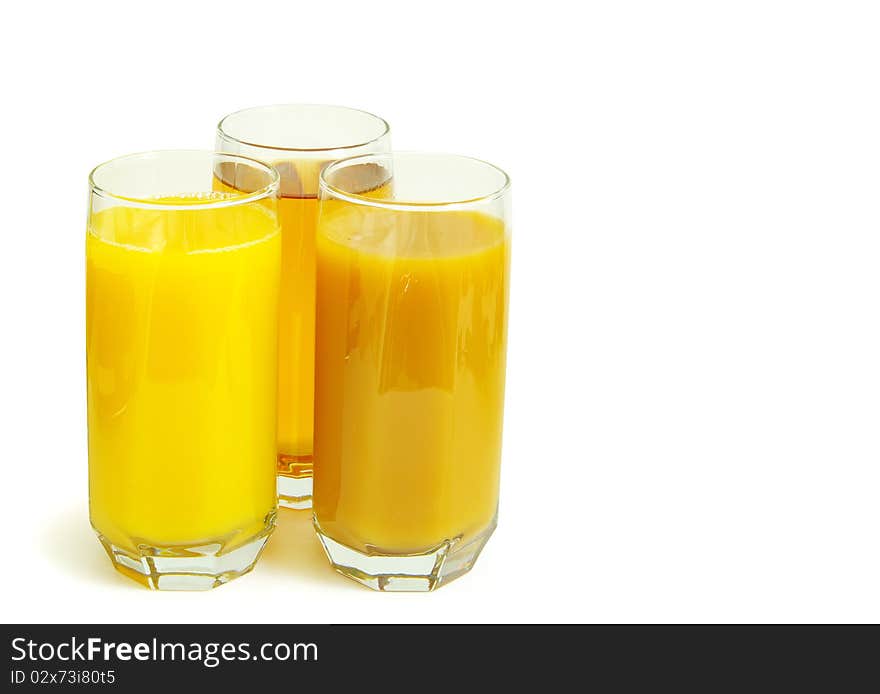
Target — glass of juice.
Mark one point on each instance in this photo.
(299, 140)
(182, 285)
(413, 258)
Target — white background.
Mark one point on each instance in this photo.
(694, 368)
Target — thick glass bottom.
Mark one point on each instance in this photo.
(179, 567)
(420, 572)
(295, 481)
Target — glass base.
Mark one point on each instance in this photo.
(188, 568)
(294, 481)
(406, 572)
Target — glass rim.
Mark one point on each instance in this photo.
(386, 128)
(360, 199)
(269, 190)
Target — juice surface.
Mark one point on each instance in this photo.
(181, 353)
(409, 381)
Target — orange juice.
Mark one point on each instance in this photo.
(298, 140)
(296, 335)
(409, 375)
(181, 354)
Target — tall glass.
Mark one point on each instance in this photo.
(181, 351)
(412, 283)
(299, 140)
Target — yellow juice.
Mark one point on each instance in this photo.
(409, 375)
(181, 355)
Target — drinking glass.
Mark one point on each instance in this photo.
(412, 285)
(299, 139)
(181, 350)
